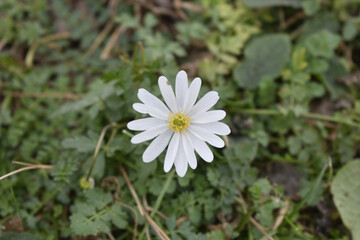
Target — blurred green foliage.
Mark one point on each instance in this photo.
(287, 75)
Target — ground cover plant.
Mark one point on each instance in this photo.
(287, 76)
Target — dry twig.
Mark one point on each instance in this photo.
(148, 208)
(253, 221)
(29, 167)
(157, 229)
(112, 41)
(45, 40)
(281, 216)
(71, 96)
(2, 43)
(100, 38)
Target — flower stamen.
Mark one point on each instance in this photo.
(178, 122)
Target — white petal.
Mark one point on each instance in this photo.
(181, 163)
(209, 116)
(192, 94)
(149, 134)
(145, 123)
(207, 136)
(152, 111)
(204, 104)
(171, 152)
(167, 93)
(202, 148)
(150, 100)
(189, 151)
(181, 88)
(215, 127)
(157, 146)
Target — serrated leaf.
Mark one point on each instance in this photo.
(336, 69)
(265, 56)
(98, 198)
(99, 91)
(246, 150)
(317, 65)
(82, 144)
(322, 44)
(271, 3)
(321, 21)
(215, 234)
(213, 176)
(64, 169)
(310, 6)
(85, 208)
(81, 226)
(194, 214)
(171, 223)
(346, 191)
(116, 216)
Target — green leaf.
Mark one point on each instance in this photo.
(99, 167)
(336, 69)
(64, 168)
(85, 208)
(346, 191)
(265, 56)
(171, 223)
(18, 236)
(318, 65)
(349, 30)
(116, 216)
(99, 91)
(246, 150)
(322, 44)
(265, 211)
(310, 6)
(215, 234)
(213, 176)
(294, 144)
(150, 20)
(81, 143)
(127, 20)
(314, 190)
(80, 225)
(194, 214)
(321, 21)
(271, 3)
(98, 198)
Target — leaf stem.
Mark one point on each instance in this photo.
(159, 200)
(162, 193)
(98, 145)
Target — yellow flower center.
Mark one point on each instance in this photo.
(178, 122)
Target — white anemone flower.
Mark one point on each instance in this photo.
(182, 125)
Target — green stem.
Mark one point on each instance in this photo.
(98, 145)
(16, 203)
(330, 119)
(97, 149)
(42, 204)
(294, 227)
(162, 193)
(96, 215)
(112, 136)
(258, 111)
(159, 200)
